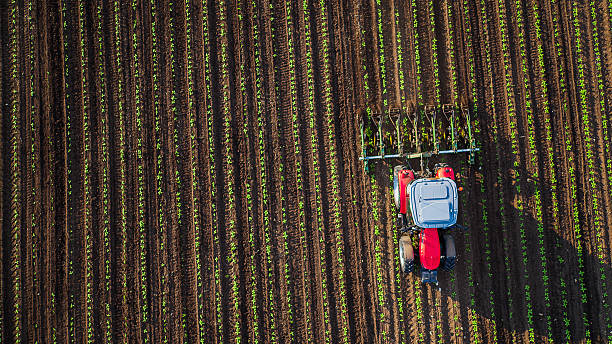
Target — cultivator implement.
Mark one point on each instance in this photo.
(424, 132)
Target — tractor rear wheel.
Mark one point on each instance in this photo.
(406, 254)
(396, 189)
(450, 254)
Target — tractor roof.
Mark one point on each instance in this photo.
(433, 202)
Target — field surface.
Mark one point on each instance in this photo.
(187, 171)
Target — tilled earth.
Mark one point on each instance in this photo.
(188, 171)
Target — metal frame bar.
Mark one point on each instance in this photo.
(395, 116)
(419, 155)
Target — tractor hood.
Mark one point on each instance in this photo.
(433, 202)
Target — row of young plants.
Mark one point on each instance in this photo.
(474, 96)
(472, 85)
(417, 51)
(589, 143)
(212, 170)
(15, 176)
(381, 53)
(484, 30)
(451, 50)
(398, 276)
(608, 163)
(533, 163)
(262, 143)
(229, 176)
(296, 150)
(140, 215)
(434, 49)
(69, 172)
(159, 178)
(253, 323)
(34, 163)
(457, 330)
(281, 239)
(194, 173)
(175, 144)
(251, 223)
(317, 178)
(122, 179)
(378, 254)
(86, 177)
(572, 175)
(419, 101)
(516, 175)
(551, 162)
(564, 111)
(511, 111)
(332, 156)
(101, 75)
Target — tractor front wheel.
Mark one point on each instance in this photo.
(406, 254)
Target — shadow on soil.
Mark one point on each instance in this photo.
(504, 266)
(507, 265)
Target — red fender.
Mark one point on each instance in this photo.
(405, 177)
(445, 172)
(429, 248)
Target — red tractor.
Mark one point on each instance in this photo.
(427, 202)
(428, 209)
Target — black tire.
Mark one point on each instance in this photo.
(396, 190)
(450, 253)
(406, 254)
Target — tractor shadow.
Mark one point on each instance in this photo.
(520, 274)
(498, 266)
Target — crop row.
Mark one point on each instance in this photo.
(398, 276)
(551, 161)
(69, 172)
(602, 108)
(34, 163)
(332, 159)
(417, 51)
(316, 169)
(589, 146)
(451, 50)
(472, 83)
(254, 325)
(537, 193)
(229, 176)
(122, 179)
(105, 175)
(262, 143)
(296, 153)
(378, 233)
(511, 110)
(15, 176)
(159, 165)
(140, 216)
(485, 222)
(212, 171)
(86, 176)
(282, 237)
(564, 110)
(434, 49)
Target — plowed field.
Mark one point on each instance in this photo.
(187, 171)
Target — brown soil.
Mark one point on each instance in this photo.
(188, 171)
